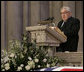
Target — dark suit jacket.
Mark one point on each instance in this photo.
(70, 28)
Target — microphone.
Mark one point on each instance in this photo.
(50, 18)
(47, 19)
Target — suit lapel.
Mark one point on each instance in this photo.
(62, 28)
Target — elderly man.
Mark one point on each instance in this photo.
(70, 26)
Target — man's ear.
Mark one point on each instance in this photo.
(70, 13)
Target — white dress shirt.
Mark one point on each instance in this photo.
(62, 24)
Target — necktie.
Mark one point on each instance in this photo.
(62, 24)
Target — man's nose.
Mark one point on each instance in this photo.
(63, 15)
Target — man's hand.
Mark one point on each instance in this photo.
(52, 27)
(62, 32)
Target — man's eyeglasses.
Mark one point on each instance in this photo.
(64, 12)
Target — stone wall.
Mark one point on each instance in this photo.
(72, 58)
(16, 15)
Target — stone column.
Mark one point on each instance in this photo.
(50, 9)
(56, 6)
(71, 4)
(3, 25)
(14, 19)
(35, 12)
(26, 14)
(79, 15)
(44, 10)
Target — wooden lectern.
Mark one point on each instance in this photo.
(47, 36)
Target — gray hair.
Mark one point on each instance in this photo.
(67, 8)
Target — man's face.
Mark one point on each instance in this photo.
(65, 14)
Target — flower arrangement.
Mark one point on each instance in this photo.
(25, 56)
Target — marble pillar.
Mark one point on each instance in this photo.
(44, 10)
(14, 20)
(3, 25)
(79, 15)
(26, 15)
(35, 12)
(50, 9)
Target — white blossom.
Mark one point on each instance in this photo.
(15, 56)
(44, 60)
(5, 59)
(12, 55)
(11, 46)
(3, 69)
(39, 66)
(27, 67)
(6, 65)
(53, 64)
(31, 64)
(7, 68)
(30, 58)
(3, 51)
(36, 60)
(48, 65)
(24, 38)
(22, 56)
(22, 65)
(19, 68)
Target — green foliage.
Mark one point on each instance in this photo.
(26, 56)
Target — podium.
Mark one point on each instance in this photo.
(47, 36)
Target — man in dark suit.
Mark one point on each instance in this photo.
(70, 26)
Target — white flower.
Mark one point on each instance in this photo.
(19, 68)
(24, 38)
(15, 56)
(31, 64)
(12, 55)
(30, 58)
(6, 59)
(36, 60)
(7, 67)
(48, 65)
(38, 66)
(11, 46)
(53, 64)
(44, 60)
(27, 67)
(3, 51)
(22, 65)
(3, 69)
